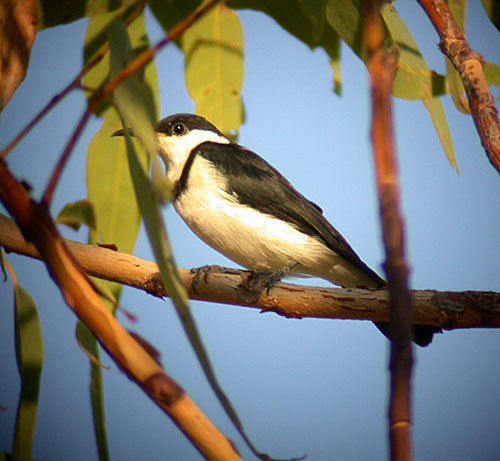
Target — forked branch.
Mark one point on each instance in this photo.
(469, 65)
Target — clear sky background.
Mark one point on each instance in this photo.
(312, 387)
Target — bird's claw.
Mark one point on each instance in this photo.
(251, 288)
(206, 271)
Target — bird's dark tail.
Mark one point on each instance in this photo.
(421, 335)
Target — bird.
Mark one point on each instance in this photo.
(244, 208)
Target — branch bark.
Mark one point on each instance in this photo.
(469, 65)
(381, 67)
(449, 310)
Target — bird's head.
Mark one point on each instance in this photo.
(177, 136)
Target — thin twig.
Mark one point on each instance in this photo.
(54, 178)
(381, 67)
(469, 65)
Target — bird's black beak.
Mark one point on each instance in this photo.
(123, 132)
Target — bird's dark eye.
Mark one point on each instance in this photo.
(179, 129)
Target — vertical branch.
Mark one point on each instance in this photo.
(381, 67)
(469, 65)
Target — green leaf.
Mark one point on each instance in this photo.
(88, 343)
(334, 53)
(54, 12)
(492, 73)
(290, 15)
(133, 97)
(171, 12)
(315, 11)
(158, 239)
(75, 214)
(345, 18)
(453, 79)
(436, 111)
(303, 19)
(456, 87)
(492, 8)
(2, 265)
(110, 187)
(413, 79)
(29, 355)
(213, 49)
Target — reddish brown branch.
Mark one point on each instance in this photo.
(76, 288)
(446, 309)
(58, 169)
(381, 67)
(469, 65)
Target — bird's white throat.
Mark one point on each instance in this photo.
(175, 150)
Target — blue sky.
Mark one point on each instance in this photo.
(312, 387)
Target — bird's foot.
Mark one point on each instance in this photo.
(205, 271)
(251, 288)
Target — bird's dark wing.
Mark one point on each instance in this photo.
(259, 185)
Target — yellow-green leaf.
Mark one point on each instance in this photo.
(213, 49)
(438, 116)
(456, 87)
(492, 8)
(160, 245)
(134, 97)
(306, 20)
(29, 355)
(54, 12)
(455, 84)
(315, 11)
(88, 343)
(492, 73)
(345, 18)
(170, 13)
(109, 185)
(75, 214)
(413, 79)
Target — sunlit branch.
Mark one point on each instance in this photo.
(449, 310)
(381, 67)
(469, 65)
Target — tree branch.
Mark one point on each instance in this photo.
(81, 296)
(469, 65)
(449, 310)
(381, 67)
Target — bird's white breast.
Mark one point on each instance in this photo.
(252, 239)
